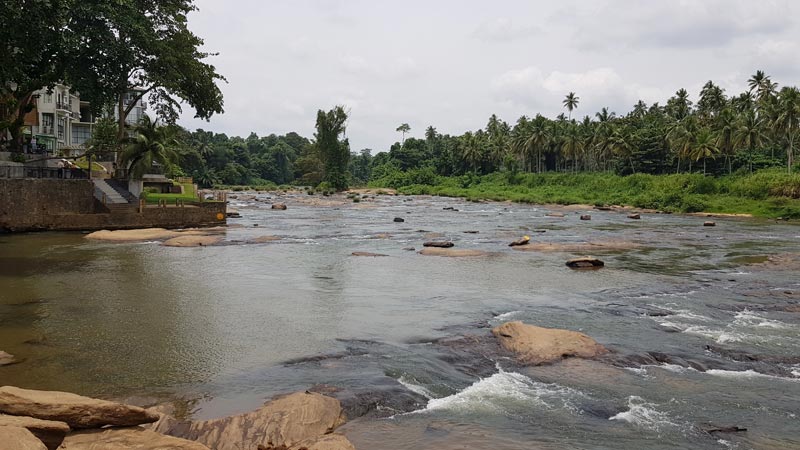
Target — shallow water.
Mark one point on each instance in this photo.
(229, 326)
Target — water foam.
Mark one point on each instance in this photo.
(645, 415)
(503, 391)
(745, 374)
(748, 318)
(506, 315)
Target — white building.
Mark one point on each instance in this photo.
(62, 123)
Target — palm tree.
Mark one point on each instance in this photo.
(755, 82)
(726, 129)
(787, 121)
(572, 144)
(704, 146)
(403, 128)
(680, 137)
(620, 143)
(472, 149)
(749, 134)
(571, 102)
(431, 134)
(152, 145)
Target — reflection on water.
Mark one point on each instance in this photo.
(218, 323)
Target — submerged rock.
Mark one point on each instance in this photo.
(264, 239)
(126, 439)
(50, 432)
(634, 216)
(77, 411)
(438, 244)
(586, 217)
(709, 223)
(18, 438)
(537, 345)
(192, 241)
(280, 424)
(367, 254)
(585, 262)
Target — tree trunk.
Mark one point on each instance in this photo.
(790, 153)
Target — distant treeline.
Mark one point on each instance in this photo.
(719, 134)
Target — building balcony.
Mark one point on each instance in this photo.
(64, 106)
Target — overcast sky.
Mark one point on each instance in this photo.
(452, 63)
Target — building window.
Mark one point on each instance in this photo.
(48, 98)
(62, 128)
(47, 124)
(80, 135)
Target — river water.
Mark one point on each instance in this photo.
(704, 332)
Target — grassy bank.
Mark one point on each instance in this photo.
(770, 193)
(189, 195)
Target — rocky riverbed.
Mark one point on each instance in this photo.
(685, 337)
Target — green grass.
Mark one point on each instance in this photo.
(189, 195)
(769, 193)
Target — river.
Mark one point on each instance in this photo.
(225, 327)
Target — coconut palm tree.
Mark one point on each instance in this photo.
(787, 120)
(620, 142)
(725, 128)
(572, 144)
(571, 102)
(151, 145)
(472, 149)
(704, 146)
(749, 134)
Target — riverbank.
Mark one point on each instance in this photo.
(768, 194)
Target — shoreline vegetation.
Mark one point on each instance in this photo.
(768, 194)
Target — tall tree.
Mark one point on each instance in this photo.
(403, 128)
(333, 150)
(127, 50)
(787, 122)
(571, 102)
(152, 145)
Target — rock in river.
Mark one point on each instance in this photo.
(524, 240)
(439, 244)
(536, 345)
(586, 217)
(7, 359)
(77, 411)
(399, 219)
(586, 262)
(327, 442)
(126, 439)
(280, 424)
(367, 254)
(18, 438)
(192, 241)
(634, 216)
(50, 432)
(709, 223)
(280, 206)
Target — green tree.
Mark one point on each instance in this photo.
(571, 102)
(334, 152)
(128, 49)
(152, 145)
(403, 129)
(787, 122)
(104, 137)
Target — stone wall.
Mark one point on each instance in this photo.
(61, 205)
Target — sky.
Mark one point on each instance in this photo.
(452, 64)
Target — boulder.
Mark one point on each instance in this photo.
(126, 439)
(399, 219)
(326, 442)
(50, 432)
(451, 252)
(586, 217)
(280, 206)
(232, 213)
(524, 240)
(586, 262)
(7, 359)
(192, 241)
(709, 223)
(367, 254)
(144, 234)
(77, 411)
(282, 423)
(634, 216)
(18, 438)
(536, 345)
(439, 244)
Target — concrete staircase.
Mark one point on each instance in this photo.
(114, 200)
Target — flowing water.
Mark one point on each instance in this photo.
(229, 326)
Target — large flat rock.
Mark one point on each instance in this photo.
(537, 345)
(50, 432)
(280, 424)
(135, 438)
(75, 410)
(18, 438)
